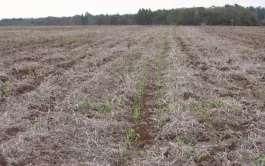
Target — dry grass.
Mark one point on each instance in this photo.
(62, 88)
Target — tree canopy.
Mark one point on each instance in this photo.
(226, 15)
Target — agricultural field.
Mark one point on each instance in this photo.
(132, 95)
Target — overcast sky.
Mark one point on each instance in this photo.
(44, 8)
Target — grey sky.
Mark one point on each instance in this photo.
(44, 8)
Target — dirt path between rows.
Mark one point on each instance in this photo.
(147, 127)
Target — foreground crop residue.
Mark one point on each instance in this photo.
(132, 95)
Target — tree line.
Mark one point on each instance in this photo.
(227, 15)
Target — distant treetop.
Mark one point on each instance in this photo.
(228, 15)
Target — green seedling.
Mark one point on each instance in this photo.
(37, 125)
(121, 62)
(86, 104)
(8, 82)
(263, 160)
(201, 155)
(141, 151)
(102, 107)
(219, 103)
(234, 108)
(158, 82)
(171, 107)
(105, 106)
(211, 106)
(6, 91)
(134, 52)
(136, 112)
(193, 107)
(190, 149)
(163, 81)
(180, 141)
(76, 44)
(121, 102)
(32, 74)
(255, 156)
(220, 139)
(129, 137)
(65, 38)
(140, 88)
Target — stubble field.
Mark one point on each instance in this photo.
(132, 95)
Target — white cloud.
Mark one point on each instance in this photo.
(44, 8)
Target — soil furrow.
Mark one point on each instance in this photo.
(148, 101)
(145, 125)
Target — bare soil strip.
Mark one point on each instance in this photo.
(151, 101)
(147, 126)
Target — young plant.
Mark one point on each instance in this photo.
(263, 160)
(194, 107)
(190, 149)
(32, 74)
(134, 52)
(102, 107)
(141, 151)
(76, 44)
(171, 107)
(85, 104)
(4, 92)
(129, 137)
(136, 112)
(105, 106)
(220, 103)
(220, 140)
(140, 88)
(211, 106)
(121, 62)
(234, 108)
(121, 102)
(255, 156)
(65, 38)
(180, 141)
(201, 155)
(37, 125)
